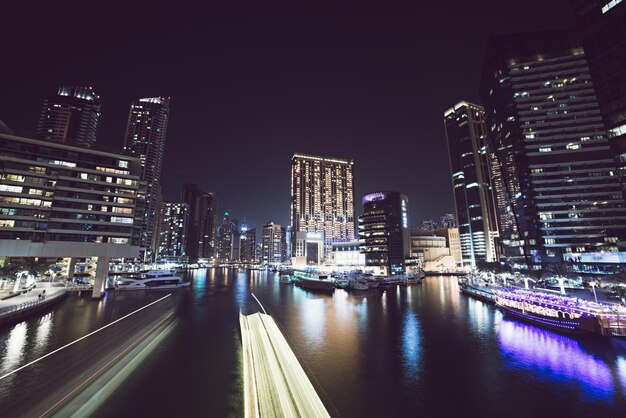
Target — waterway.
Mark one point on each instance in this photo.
(423, 350)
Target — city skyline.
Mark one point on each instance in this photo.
(378, 93)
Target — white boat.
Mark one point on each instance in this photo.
(151, 279)
(285, 279)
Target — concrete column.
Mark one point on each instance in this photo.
(100, 281)
(70, 268)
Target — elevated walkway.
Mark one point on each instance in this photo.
(275, 385)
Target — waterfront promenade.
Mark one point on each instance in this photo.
(274, 382)
(44, 294)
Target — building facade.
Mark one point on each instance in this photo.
(173, 224)
(470, 164)
(546, 132)
(602, 25)
(384, 230)
(228, 239)
(273, 243)
(67, 202)
(201, 241)
(70, 117)
(145, 139)
(248, 245)
(322, 198)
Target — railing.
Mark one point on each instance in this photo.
(45, 298)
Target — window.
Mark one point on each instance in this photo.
(13, 189)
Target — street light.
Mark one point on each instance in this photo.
(593, 287)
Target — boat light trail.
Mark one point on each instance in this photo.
(83, 337)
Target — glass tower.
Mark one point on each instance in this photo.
(545, 129)
(471, 181)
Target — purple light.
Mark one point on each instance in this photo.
(372, 197)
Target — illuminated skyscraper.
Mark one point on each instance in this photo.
(145, 139)
(322, 197)
(602, 25)
(248, 245)
(173, 224)
(552, 147)
(201, 236)
(384, 230)
(273, 243)
(470, 165)
(70, 117)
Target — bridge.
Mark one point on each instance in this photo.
(275, 385)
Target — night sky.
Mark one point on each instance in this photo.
(250, 86)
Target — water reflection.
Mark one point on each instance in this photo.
(14, 348)
(411, 347)
(554, 358)
(43, 333)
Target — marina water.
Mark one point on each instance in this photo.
(423, 350)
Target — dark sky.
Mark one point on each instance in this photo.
(250, 86)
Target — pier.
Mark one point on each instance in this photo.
(275, 385)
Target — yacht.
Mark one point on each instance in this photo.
(151, 279)
(285, 279)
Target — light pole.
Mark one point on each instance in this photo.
(593, 287)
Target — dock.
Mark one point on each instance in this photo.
(275, 384)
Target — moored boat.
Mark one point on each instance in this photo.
(151, 279)
(285, 279)
(563, 313)
(314, 281)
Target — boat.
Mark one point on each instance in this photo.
(314, 281)
(563, 313)
(151, 279)
(285, 279)
(357, 285)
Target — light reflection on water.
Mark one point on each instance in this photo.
(14, 348)
(555, 358)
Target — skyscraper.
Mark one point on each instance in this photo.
(201, 237)
(384, 229)
(602, 25)
(248, 244)
(145, 139)
(322, 197)
(470, 165)
(228, 239)
(173, 224)
(70, 117)
(556, 167)
(273, 243)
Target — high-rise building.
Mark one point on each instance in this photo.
(248, 244)
(70, 117)
(470, 164)
(69, 202)
(201, 236)
(273, 242)
(602, 25)
(173, 224)
(322, 198)
(145, 139)
(552, 149)
(228, 239)
(384, 229)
